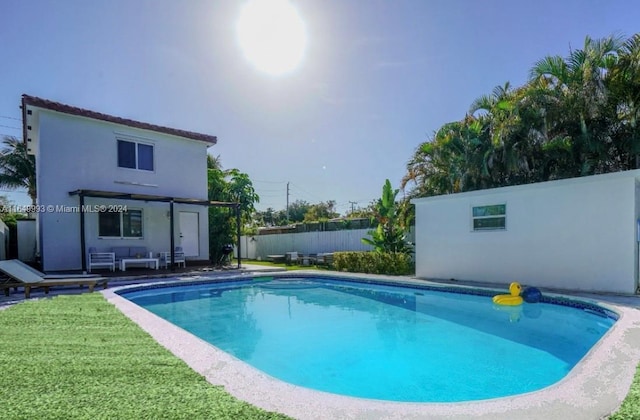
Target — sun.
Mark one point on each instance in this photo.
(272, 35)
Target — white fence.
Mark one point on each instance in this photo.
(259, 246)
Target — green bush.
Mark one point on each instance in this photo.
(393, 263)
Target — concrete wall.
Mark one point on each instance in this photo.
(26, 231)
(4, 240)
(80, 153)
(575, 234)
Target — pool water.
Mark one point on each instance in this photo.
(383, 342)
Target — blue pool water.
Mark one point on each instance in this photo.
(383, 342)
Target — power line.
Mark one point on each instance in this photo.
(306, 192)
(8, 126)
(268, 190)
(11, 118)
(269, 182)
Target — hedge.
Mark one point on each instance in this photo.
(393, 263)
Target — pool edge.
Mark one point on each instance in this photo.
(594, 388)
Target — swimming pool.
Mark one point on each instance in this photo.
(384, 342)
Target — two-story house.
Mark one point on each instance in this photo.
(105, 181)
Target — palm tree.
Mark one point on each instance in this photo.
(17, 167)
(623, 82)
(575, 116)
(578, 83)
(214, 162)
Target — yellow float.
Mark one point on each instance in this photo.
(512, 299)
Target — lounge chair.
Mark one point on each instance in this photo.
(22, 275)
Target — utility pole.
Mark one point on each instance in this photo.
(287, 203)
(352, 204)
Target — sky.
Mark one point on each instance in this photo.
(376, 78)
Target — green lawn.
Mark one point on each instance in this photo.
(286, 266)
(78, 357)
(630, 409)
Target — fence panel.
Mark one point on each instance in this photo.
(260, 246)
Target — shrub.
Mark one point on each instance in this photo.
(393, 263)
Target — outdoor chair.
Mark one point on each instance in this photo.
(101, 259)
(292, 257)
(178, 258)
(309, 259)
(325, 259)
(28, 277)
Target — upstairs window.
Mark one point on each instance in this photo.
(493, 217)
(124, 224)
(135, 155)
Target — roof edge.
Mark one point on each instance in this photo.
(609, 176)
(28, 100)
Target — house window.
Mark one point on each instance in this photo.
(124, 224)
(135, 155)
(492, 217)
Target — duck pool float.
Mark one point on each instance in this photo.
(511, 299)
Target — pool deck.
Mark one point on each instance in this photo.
(592, 390)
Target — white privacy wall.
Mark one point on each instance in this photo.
(312, 242)
(577, 234)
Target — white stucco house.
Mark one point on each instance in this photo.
(105, 181)
(576, 234)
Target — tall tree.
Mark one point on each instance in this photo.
(577, 82)
(321, 211)
(577, 115)
(624, 87)
(230, 186)
(17, 167)
(239, 189)
(297, 210)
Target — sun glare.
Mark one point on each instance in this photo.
(271, 35)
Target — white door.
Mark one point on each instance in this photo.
(190, 233)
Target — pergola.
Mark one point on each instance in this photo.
(154, 198)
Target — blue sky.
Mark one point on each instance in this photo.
(377, 79)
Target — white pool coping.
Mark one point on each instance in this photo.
(594, 388)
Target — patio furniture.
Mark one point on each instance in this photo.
(132, 255)
(178, 258)
(155, 262)
(292, 257)
(309, 259)
(101, 259)
(277, 258)
(130, 252)
(325, 259)
(22, 275)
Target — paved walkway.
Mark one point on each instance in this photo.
(616, 299)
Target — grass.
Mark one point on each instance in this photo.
(630, 408)
(288, 267)
(78, 357)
